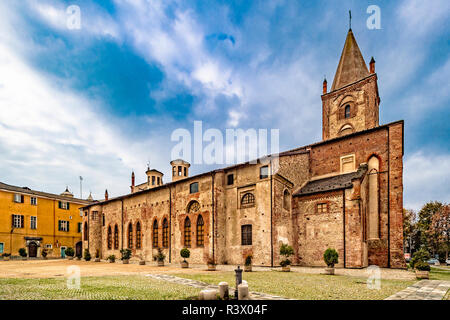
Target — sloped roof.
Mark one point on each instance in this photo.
(341, 181)
(26, 190)
(352, 66)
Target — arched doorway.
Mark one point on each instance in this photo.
(78, 249)
(32, 250)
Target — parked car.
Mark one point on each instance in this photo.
(433, 262)
(447, 262)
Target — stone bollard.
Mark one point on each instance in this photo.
(243, 293)
(223, 290)
(207, 294)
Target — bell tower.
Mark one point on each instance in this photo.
(353, 102)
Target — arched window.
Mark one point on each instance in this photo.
(246, 235)
(130, 236)
(116, 237)
(109, 238)
(347, 111)
(200, 231)
(374, 167)
(86, 236)
(138, 235)
(248, 199)
(193, 206)
(286, 200)
(187, 232)
(165, 233)
(155, 234)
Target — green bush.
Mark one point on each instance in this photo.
(286, 251)
(23, 252)
(248, 260)
(330, 257)
(126, 254)
(69, 252)
(112, 258)
(87, 255)
(160, 256)
(421, 255)
(185, 253)
(422, 266)
(6, 254)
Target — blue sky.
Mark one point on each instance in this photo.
(103, 100)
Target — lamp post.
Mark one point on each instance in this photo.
(238, 273)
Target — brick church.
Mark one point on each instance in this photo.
(344, 192)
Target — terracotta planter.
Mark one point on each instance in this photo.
(125, 261)
(142, 262)
(184, 264)
(248, 268)
(422, 274)
(211, 267)
(286, 269)
(329, 271)
(70, 258)
(160, 263)
(112, 261)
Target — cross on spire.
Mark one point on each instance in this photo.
(350, 19)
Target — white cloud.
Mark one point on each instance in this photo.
(426, 178)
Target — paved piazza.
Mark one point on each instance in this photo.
(58, 268)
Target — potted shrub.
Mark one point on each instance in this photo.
(248, 263)
(185, 253)
(87, 255)
(112, 258)
(422, 270)
(126, 255)
(286, 251)
(330, 257)
(420, 255)
(160, 258)
(23, 253)
(69, 253)
(6, 256)
(44, 253)
(97, 255)
(211, 264)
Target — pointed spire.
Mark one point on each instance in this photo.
(90, 198)
(352, 66)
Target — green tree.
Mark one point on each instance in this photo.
(429, 237)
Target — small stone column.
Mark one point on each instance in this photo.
(243, 293)
(223, 290)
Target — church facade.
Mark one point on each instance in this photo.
(344, 192)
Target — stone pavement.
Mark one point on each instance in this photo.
(423, 290)
(204, 285)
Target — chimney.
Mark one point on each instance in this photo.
(325, 89)
(372, 65)
(132, 179)
(106, 195)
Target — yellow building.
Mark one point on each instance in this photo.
(35, 220)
